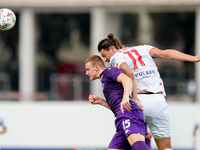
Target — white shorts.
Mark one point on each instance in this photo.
(156, 114)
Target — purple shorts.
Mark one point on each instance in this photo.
(126, 124)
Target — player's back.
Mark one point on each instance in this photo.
(143, 66)
(113, 90)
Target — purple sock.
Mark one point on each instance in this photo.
(140, 145)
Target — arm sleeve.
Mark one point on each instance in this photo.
(148, 47)
(114, 73)
(117, 60)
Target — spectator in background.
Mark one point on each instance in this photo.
(196, 133)
(2, 124)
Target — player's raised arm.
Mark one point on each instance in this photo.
(173, 54)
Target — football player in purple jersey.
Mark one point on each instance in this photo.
(129, 122)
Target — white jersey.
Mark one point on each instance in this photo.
(197, 123)
(143, 66)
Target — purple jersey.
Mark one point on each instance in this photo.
(128, 123)
(113, 90)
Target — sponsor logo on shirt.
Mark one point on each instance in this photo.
(109, 69)
(145, 73)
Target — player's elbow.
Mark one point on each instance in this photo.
(130, 74)
(167, 54)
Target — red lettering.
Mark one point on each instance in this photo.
(133, 58)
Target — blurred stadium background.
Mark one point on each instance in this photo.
(43, 87)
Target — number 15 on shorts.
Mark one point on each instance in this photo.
(126, 124)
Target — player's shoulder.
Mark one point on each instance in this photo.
(116, 58)
(143, 46)
(112, 69)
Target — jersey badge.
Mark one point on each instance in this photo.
(113, 63)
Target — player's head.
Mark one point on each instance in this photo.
(94, 66)
(109, 46)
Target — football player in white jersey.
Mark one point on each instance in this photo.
(196, 133)
(2, 125)
(137, 62)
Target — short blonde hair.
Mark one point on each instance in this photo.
(95, 60)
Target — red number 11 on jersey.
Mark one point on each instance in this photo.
(133, 58)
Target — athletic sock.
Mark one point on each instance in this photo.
(140, 145)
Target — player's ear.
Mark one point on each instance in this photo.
(112, 48)
(96, 67)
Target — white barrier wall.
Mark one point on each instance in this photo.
(79, 124)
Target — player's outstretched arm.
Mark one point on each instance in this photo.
(97, 100)
(173, 54)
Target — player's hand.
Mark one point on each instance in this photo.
(148, 135)
(125, 104)
(94, 99)
(198, 56)
(139, 104)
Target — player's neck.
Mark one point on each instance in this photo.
(101, 71)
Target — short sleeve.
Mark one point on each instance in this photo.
(114, 73)
(116, 60)
(148, 48)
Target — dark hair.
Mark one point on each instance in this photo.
(110, 41)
